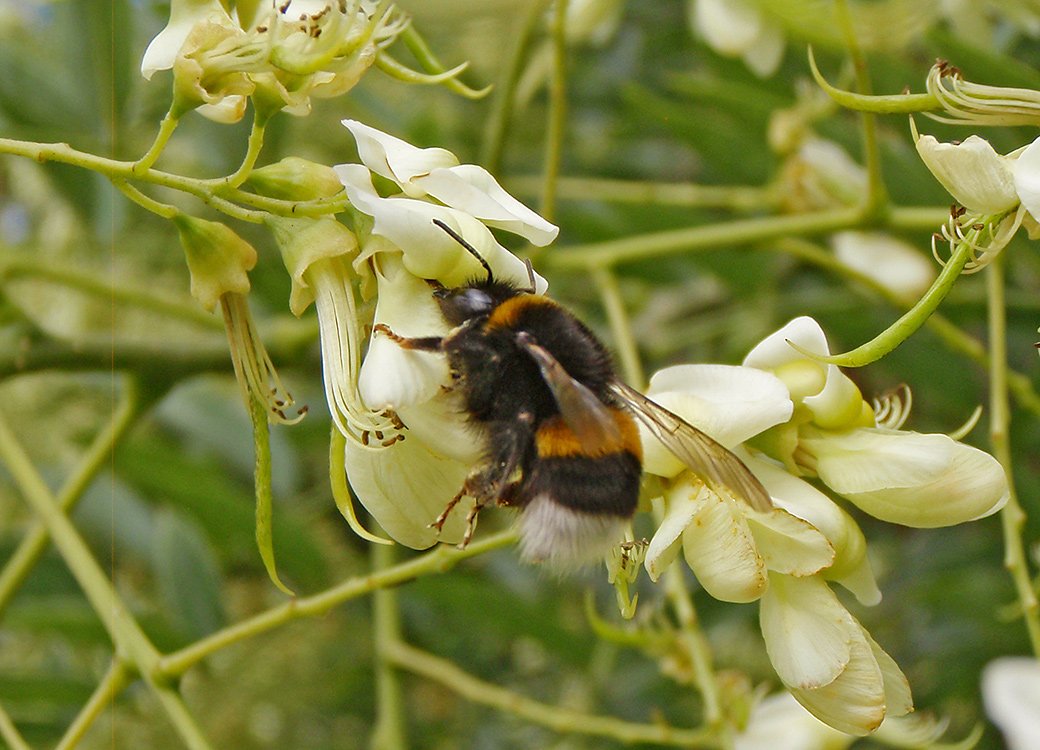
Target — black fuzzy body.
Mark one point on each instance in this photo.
(531, 455)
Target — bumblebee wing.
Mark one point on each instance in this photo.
(695, 448)
(587, 417)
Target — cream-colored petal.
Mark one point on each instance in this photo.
(972, 172)
(429, 251)
(839, 404)
(392, 376)
(720, 550)
(184, 14)
(731, 404)
(850, 568)
(229, 109)
(774, 351)
(898, 699)
(684, 500)
(1027, 178)
(788, 544)
(808, 633)
(405, 487)
(441, 422)
(396, 159)
(472, 189)
(916, 480)
(854, 702)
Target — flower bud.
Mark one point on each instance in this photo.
(295, 179)
(218, 259)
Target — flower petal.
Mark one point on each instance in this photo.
(443, 423)
(405, 487)
(808, 634)
(184, 14)
(429, 252)
(1011, 694)
(731, 404)
(788, 544)
(392, 376)
(774, 351)
(472, 189)
(720, 550)
(916, 480)
(730, 27)
(851, 568)
(853, 703)
(1027, 178)
(972, 172)
(396, 159)
(665, 544)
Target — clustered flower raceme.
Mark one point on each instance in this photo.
(791, 417)
(280, 53)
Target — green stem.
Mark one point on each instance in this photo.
(1013, 517)
(735, 197)
(891, 104)
(389, 732)
(956, 340)
(254, 145)
(697, 646)
(130, 641)
(708, 237)
(166, 127)
(35, 540)
(439, 560)
(418, 47)
(203, 189)
(620, 327)
(505, 95)
(556, 718)
(164, 210)
(9, 733)
(909, 322)
(876, 198)
(557, 115)
(116, 678)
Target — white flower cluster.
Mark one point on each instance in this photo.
(280, 55)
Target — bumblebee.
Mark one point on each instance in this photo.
(559, 427)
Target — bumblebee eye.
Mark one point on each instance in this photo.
(470, 302)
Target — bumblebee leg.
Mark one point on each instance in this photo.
(423, 343)
(438, 524)
(471, 524)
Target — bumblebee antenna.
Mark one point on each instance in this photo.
(469, 248)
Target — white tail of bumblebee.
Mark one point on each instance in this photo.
(566, 539)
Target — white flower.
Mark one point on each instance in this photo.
(1027, 178)
(728, 545)
(428, 251)
(1011, 694)
(978, 177)
(827, 659)
(184, 15)
(405, 479)
(895, 475)
(737, 28)
(436, 173)
(908, 478)
(894, 264)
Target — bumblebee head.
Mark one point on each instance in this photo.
(464, 303)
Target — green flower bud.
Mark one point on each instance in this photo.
(295, 179)
(218, 259)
